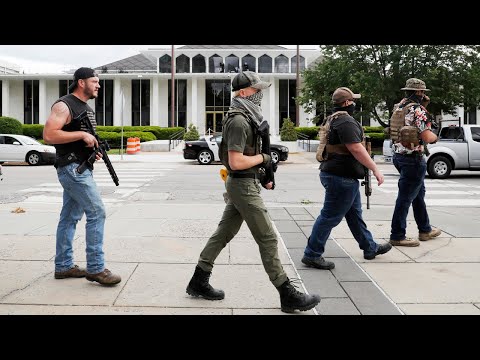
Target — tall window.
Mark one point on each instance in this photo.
(0, 98)
(215, 64)
(232, 64)
(198, 64)
(180, 112)
(265, 64)
(248, 63)
(165, 64)
(182, 64)
(470, 115)
(63, 87)
(217, 101)
(30, 101)
(286, 101)
(281, 64)
(140, 102)
(294, 63)
(104, 103)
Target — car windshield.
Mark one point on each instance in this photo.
(29, 141)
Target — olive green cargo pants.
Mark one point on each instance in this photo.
(245, 203)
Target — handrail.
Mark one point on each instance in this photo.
(304, 138)
(175, 139)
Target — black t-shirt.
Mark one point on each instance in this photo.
(344, 130)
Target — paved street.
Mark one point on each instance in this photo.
(166, 208)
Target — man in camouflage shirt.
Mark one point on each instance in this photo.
(409, 160)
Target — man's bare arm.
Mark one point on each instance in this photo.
(239, 161)
(360, 153)
(53, 133)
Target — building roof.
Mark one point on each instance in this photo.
(213, 47)
(136, 62)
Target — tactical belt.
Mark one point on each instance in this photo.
(64, 160)
(242, 176)
(414, 154)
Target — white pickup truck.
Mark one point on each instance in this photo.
(457, 148)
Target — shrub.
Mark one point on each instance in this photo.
(373, 129)
(287, 132)
(192, 133)
(10, 125)
(114, 138)
(311, 132)
(33, 130)
(376, 138)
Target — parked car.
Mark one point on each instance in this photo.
(205, 150)
(25, 148)
(457, 148)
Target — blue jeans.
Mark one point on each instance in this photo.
(80, 195)
(411, 191)
(342, 199)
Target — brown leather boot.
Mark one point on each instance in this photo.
(74, 272)
(105, 277)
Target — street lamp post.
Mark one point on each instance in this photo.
(297, 108)
(172, 94)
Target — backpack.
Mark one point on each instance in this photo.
(397, 128)
(323, 131)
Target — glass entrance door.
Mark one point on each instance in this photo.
(213, 122)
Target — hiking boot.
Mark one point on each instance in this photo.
(405, 242)
(291, 299)
(199, 286)
(430, 235)
(319, 263)
(105, 277)
(74, 272)
(382, 249)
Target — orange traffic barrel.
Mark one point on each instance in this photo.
(131, 146)
(137, 144)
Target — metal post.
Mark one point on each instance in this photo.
(297, 107)
(172, 94)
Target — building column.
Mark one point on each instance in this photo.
(272, 117)
(193, 113)
(5, 98)
(42, 102)
(155, 115)
(117, 102)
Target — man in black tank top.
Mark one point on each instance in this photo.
(80, 193)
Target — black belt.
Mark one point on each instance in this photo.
(243, 176)
(414, 154)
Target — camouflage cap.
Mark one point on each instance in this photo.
(415, 84)
(248, 79)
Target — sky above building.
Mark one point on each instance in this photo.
(62, 58)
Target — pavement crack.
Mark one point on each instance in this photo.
(25, 287)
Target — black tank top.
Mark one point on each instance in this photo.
(76, 107)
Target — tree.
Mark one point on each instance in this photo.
(378, 72)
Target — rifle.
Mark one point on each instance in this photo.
(268, 171)
(367, 182)
(102, 148)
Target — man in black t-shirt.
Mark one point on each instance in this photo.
(346, 158)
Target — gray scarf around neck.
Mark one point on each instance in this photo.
(249, 107)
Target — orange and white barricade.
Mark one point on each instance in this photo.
(131, 146)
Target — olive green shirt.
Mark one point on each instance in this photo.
(239, 136)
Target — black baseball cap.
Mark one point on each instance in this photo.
(248, 79)
(81, 73)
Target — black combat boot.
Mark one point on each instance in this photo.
(199, 286)
(291, 299)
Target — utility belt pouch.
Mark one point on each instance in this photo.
(65, 160)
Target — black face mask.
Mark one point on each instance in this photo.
(350, 109)
(416, 98)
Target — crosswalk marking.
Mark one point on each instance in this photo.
(131, 180)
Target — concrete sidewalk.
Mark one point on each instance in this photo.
(153, 242)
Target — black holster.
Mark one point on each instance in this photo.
(65, 160)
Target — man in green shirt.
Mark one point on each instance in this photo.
(240, 153)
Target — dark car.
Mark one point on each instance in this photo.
(205, 150)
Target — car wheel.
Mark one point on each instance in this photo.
(439, 167)
(275, 156)
(33, 158)
(205, 157)
(1, 162)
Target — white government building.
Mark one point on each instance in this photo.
(136, 90)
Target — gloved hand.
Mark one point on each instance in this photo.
(266, 159)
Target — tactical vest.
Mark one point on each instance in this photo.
(401, 133)
(324, 148)
(249, 149)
